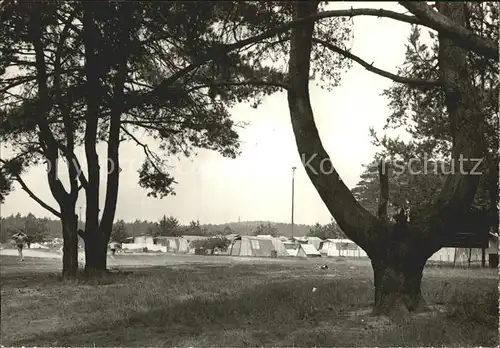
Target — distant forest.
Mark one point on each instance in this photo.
(46, 228)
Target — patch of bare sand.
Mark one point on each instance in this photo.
(360, 325)
(364, 318)
(32, 253)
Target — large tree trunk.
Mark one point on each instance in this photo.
(398, 278)
(397, 288)
(95, 261)
(65, 200)
(398, 251)
(69, 224)
(98, 232)
(358, 223)
(95, 254)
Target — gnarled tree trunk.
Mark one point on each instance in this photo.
(95, 254)
(66, 200)
(398, 251)
(98, 232)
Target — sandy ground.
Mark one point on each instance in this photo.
(139, 260)
(40, 253)
(32, 253)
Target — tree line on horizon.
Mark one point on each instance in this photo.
(40, 229)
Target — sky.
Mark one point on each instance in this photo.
(258, 184)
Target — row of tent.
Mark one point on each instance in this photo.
(252, 246)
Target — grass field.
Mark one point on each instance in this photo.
(195, 301)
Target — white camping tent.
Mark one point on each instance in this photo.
(173, 244)
(291, 248)
(325, 245)
(316, 241)
(308, 250)
(139, 243)
(345, 247)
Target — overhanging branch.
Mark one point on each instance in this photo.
(32, 195)
(219, 50)
(371, 68)
(242, 83)
(459, 34)
(147, 151)
(462, 36)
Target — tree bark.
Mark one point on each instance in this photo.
(98, 232)
(66, 200)
(94, 260)
(70, 244)
(397, 286)
(384, 190)
(95, 254)
(112, 184)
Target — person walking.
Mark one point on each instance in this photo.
(113, 246)
(20, 238)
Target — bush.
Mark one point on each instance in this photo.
(213, 243)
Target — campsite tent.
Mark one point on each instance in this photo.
(344, 247)
(301, 240)
(143, 240)
(277, 244)
(141, 243)
(252, 246)
(173, 244)
(460, 256)
(308, 250)
(316, 241)
(231, 236)
(189, 239)
(291, 248)
(279, 247)
(325, 245)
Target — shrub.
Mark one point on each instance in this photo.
(213, 243)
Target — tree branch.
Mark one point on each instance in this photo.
(371, 68)
(152, 127)
(384, 190)
(459, 34)
(149, 154)
(112, 183)
(285, 86)
(19, 80)
(91, 40)
(32, 195)
(76, 163)
(65, 111)
(219, 50)
(44, 105)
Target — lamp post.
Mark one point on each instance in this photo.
(293, 195)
